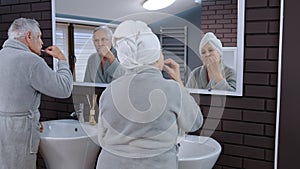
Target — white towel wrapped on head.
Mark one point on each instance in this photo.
(136, 44)
(210, 38)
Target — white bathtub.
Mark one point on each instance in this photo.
(198, 152)
(68, 144)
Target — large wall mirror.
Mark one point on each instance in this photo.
(180, 27)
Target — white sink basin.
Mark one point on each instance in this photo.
(198, 152)
(68, 144)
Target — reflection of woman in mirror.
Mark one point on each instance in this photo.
(213, 74)
(102, 66)
(141, 113)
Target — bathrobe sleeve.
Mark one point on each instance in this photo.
(229, 83)
(91, 68)
(192, 82)
(114, 71)
(87, 74)
(189, 117)
(54, 84)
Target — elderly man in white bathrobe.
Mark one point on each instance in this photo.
(24, 76)
(141, 113)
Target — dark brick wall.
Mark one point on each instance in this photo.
(220, 17)
(289, 125)
(37, 9)
(247, 128)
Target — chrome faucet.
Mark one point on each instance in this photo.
(74, 115)
(78, 114)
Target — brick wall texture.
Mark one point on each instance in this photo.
(220, 17)
(246, 129)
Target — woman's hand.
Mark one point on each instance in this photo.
(55, 52)
(173, 69)
(213, 68)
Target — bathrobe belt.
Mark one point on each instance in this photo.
(34, 127)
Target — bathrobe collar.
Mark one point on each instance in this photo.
(203, 74)
(145, 69)
(13, 43)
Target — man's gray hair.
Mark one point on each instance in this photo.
(106, 29)
(21, 26)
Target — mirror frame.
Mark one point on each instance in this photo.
(239, 58)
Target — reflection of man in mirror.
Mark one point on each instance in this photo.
(213, 74)
(102, 66)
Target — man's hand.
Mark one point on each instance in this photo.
(55, 52)
(105, 52)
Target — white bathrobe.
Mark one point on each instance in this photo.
(94, 73)
(140, 118)
(198, 79)
(23, 77)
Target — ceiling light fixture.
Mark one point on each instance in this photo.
(157, 4)
(198, 1)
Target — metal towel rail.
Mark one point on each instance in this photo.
(174, 45)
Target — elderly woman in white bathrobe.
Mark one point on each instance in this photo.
(141, 113)
(213, 74)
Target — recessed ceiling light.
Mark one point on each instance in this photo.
(157, 4)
